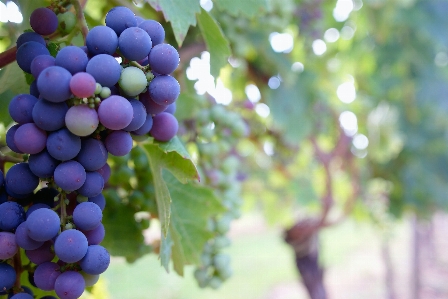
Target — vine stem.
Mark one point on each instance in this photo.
(8, 56)
(19, 269)
(81, 19)
(63, 209)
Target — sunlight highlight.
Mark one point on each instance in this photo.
(342, 10)
(10, 13)
(346, 92)
(252, 93)
(319, 47)
(349, 122)
(281, 42)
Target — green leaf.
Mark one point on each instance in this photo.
(216, 42)
(12, 78)
(124, 237)
(181, 14)
(173, 157)
(248, 8)
(192, 205)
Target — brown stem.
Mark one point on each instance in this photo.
(19, 269)
(8, 56)
(81, 19)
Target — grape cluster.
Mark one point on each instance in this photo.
(218, 132)
(83, 104)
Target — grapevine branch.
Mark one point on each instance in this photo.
(81, 19)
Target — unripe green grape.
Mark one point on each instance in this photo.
(218, 114)
(201, 274)
(139, 138)
(221, 261)
(215, 282)
(132, 81)
(221, 242)
(206, 259)
(223, 225)
(67, 22)
(105, 92)
(225, 273)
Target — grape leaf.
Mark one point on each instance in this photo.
(12, 78)
(216, 42)
(173, 157)
(181, 14)
(191, 207)
(248, 8)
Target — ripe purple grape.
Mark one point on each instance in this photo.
(69, 285)
(21, 107)
(40, 63)
(70, 175)
(164, 59)
(87, 215)
(8, 245)
(152, 107)
(96, 235)
(105, 69)
(10, 139)
(30, 37)
(23, 240)
(145, 128)
(164, 90)
(93, 154)
(101, 40)
(115, 112)
(54, 84)
(72, 58)
(70, 246)
(42, 254)
(139, 115)
(96, 260)
(43, 224)
(44, 21)
(63, 145)
(27, 52)
(11, 216)
(43, 109)
(93, 185)
(30, 139)
(134, 43)
(165, 127)
(7, 276)
(119, 18)
(20, 179)
(45, 275)
(155, 31)
(118, 143)
(42, 164)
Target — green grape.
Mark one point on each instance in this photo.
(206, 259)
(225, 273)
(201, 274)
(132, 81)
(215, 282)
(66, 22)
(221, 242)
(223, 225)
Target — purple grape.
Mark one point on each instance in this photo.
(27, 52)
(44, 21)
(33, 89)
(96, 260)
(69, 175)
(49, 116)
(40, 63)
(36, 206)
(171, 108)
(145, 128)
(165, 127)
(10, 139)
(134, 43)
(30, 139)
(43, 224)
(69, 285)
(41, 254)
(89, 122)
(93, 185)
(54, 84)
(164, 59)
(139, 19)
(93, 154)
(100, 200)
(8, 245)
(42, 164)
(20, 179)
(164, 90)
(11, 215)
(115, 112)
(83, 85)
(139, 115)
(72, 58)
(30, 37)
(101, 40)
(152, 107)
(7, 276)
(105, 172)
(119, 18)
(21, 107)
(63, 145)
(105, 69)
(24, 197)
(118, 143)
(96, 235)
(154, 30)
(23, 240)
(87, 216)
(22, 296)
(70, 246)
(45, 275)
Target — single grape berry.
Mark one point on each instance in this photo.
(43, 21)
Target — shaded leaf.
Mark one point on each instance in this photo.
(248, 8)
(180, 13)
(216, 42)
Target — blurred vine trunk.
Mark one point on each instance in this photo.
(303, 238)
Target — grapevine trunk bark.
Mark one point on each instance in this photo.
(303, 237)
